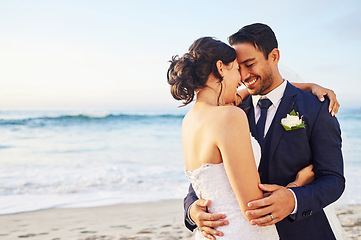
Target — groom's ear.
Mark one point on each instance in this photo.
(274, 56)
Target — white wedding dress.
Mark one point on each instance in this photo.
(210, 182)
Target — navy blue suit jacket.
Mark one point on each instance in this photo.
(284, 153)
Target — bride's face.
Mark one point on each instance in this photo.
(231, 81)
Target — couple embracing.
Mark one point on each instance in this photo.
(262, 164)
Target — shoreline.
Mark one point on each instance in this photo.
(136, 221)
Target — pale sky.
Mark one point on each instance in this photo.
(114, 54)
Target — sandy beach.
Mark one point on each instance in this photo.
(141, 221)
(158, 220)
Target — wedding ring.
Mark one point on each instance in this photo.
(271, 216)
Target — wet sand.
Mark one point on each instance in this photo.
(139, 221)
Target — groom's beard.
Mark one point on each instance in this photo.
(263, 84)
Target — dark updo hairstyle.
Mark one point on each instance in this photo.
(190, 72)
(260, 35)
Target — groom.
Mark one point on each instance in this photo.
(297, 211)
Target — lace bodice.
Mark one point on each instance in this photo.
(211, 182)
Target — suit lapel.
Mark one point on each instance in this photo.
(247, 107)
(276, 129)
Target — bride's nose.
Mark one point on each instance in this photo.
(244, 74)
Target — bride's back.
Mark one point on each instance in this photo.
(202, 133)
(199, 143)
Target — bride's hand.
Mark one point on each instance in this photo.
(321, 92)
(206, 222)
(304, 176)
(241, 94)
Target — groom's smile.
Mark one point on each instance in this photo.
(251, 82)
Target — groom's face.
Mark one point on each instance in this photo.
(255, 69)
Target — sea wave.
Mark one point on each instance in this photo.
(82, 118)
(87, 186)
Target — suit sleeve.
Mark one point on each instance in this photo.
(329, 184)
(188, 201)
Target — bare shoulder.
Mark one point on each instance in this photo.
(230, 119)
(231, 127)
(231, 115)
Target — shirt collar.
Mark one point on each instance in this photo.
(274, 96)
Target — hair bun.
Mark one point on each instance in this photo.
(191, 72)
(181, 77)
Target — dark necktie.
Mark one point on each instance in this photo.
(264, 104)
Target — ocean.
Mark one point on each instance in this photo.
(85, 158)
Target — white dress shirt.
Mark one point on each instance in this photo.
(275, 97)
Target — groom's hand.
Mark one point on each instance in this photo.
(206, 222)
(278, 204)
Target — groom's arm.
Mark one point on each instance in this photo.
(188, 201)
(329, 184)
(206, 222)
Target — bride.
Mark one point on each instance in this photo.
(220, 155)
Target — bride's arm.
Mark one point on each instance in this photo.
(313, 88)
(232, 138)
(321, 92)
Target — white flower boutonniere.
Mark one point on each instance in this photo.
(292, 121)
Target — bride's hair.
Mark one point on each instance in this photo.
(190, 72)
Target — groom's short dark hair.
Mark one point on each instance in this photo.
(258, 34)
